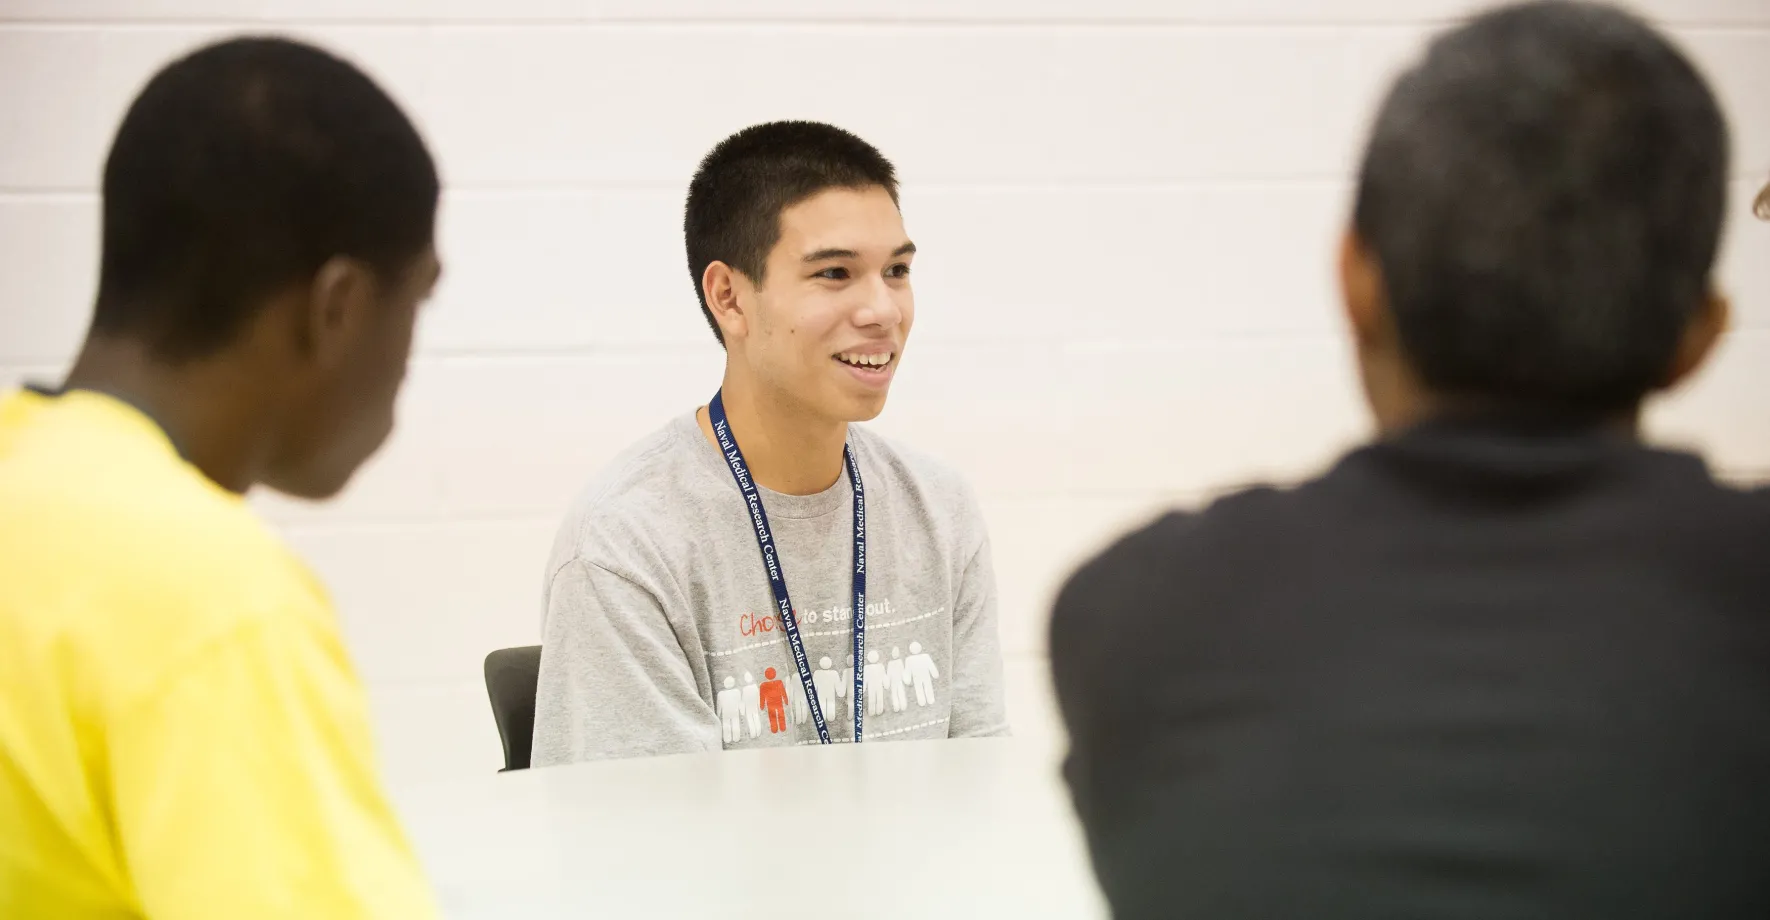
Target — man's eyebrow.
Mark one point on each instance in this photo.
(826, 254)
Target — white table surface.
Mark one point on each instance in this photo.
(905, 830)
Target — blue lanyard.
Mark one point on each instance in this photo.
(777, 579)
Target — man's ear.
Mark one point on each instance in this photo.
(1701, 334)
(1362, 292)
(720, 286)
(339, 301)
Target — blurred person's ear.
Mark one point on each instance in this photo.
(1700, 336)
(1362, 293)
(1393, 391)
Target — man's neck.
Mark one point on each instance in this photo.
(202, 407)
(786, 450)
(1400, 401)
(1624, 423)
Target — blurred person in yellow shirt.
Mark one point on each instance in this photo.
(182, 734)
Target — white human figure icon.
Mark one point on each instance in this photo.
(753, 704)
(922, 673)
(796, 704)
(874, 678)
(845, 685)
(731, 716)
(898, 677)
(823, 680)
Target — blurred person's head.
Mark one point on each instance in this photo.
(267, 240)
(799, 256)
(1537, 218)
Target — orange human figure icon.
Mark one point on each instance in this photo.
(774, 699)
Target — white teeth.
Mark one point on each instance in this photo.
(864, 360)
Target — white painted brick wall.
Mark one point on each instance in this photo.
(1127, 211)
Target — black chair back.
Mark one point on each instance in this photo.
(511, 676)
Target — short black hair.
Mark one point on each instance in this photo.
(242, 168)
(1544, 193)
(738, 193)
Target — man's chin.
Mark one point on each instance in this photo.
(848, 404)
(864, 410)
(315, 479)
(310, 486)
(849, 411)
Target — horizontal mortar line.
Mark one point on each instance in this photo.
(450, 357)
(324, 519)
(1080, 347)
(593, 22)
(928, 344)
(1094, 347)
(430, 682)
(487, 189)
(913, 186)
(456, 357)
(481, 189)
(541, 355)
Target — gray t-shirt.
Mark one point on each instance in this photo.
(659, 627)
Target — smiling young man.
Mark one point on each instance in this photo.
(668, 623)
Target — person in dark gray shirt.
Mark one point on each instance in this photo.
(1506, 661)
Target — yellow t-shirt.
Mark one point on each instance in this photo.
(182, 736)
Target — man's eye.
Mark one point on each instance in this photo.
(834, 274)
(900, 270)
